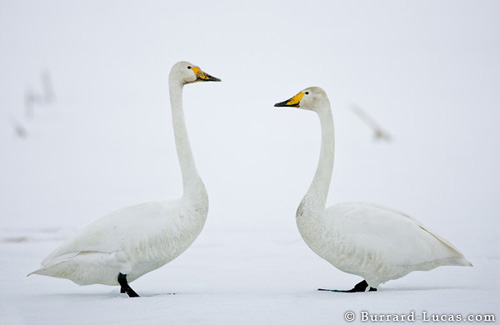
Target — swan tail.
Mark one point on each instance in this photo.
(460, 261)
(50, 261)
(450, 261)
(83, 268)
(68, 271)
(457, 258)
(39, 272)
(47, 270)
(34, 272)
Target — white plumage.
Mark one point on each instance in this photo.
(366, 239)
(138, 239)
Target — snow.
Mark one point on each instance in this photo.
(428, 72)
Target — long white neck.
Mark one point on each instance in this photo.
(315, 199)
(192, 183)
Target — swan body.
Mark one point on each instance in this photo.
(125, 244)
(366, 239)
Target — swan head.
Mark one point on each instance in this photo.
(312, 99)
(186, 73)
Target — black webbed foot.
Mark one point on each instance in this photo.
(360, 287)
(125, 288)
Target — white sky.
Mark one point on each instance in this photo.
(426, 70)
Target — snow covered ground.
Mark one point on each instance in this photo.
(428, 72)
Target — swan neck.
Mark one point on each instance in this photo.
(192, 183)
(317, 194)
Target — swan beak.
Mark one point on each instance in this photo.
(292, 102)
(203, 76)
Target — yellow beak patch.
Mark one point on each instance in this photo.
(203, 76)
(295, 100)
(200, 75)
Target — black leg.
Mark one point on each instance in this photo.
(360, 287)
(125, 288)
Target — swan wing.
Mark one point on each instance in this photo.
(389, 236)
(116, 231)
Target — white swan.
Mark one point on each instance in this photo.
(128, 243)
(374, 242)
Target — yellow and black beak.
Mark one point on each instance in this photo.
(292, 102)
(203, 76)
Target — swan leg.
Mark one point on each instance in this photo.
(360, 287)
(125, 288)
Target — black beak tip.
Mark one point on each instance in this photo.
(211, 78)
(285, 104)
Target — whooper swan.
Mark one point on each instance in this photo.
(366, 239)
(125, 244)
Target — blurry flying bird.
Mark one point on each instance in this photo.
(19, 129)
(379, 132)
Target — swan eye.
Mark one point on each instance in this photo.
(189, 67)
(307, 93)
